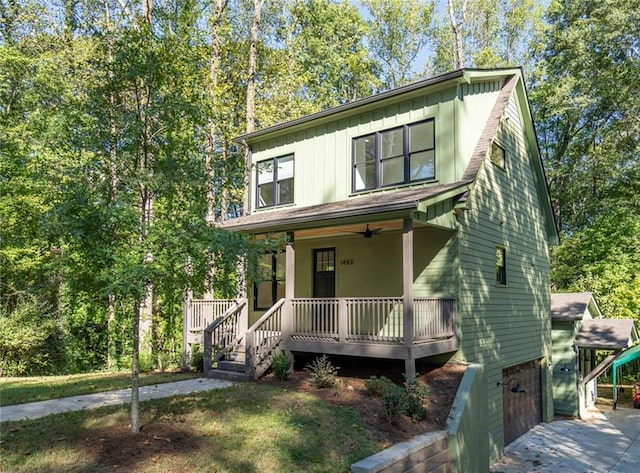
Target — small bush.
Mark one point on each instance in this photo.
(323, 373)
(197, 358)
(282, 365)
(378, 386)
(398, 401)
(415, 393)
(393, 404)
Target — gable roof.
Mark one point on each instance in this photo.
(571, 305)
(606, 334)
(402, 202)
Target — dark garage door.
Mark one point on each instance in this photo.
(521, 411)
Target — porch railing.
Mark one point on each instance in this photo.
(371, 320)
(263, 339)
(225, 334)
(201, 312)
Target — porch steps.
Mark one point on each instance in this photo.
(230, 369)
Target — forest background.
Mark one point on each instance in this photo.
(117, 159)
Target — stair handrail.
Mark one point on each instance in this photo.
(209, 357)
(259, 352)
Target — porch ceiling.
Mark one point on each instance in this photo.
(377, 207)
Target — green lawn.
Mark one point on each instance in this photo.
(21, 390)
(249, 427)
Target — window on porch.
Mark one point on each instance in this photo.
(271, 269)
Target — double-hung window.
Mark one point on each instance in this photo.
(274, 182)
(393, 157)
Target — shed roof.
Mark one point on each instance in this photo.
(570, 306)
(606, 334)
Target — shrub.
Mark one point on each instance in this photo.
(282, 365)
(393, 403)
(197, 358)
(415, 393)
(378, 386)
(31, 340)
(323, 373)
(398, 401)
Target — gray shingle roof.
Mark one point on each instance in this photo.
(605, 334)
(570, 305)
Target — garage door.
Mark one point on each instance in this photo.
(521, 410)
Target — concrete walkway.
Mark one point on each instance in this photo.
(34, 410)
(608, 442)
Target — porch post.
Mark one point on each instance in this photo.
(186, 319)
(407, 302)
(289, 288)
(291, 267)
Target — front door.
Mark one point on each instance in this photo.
(324, 272)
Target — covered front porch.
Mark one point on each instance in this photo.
(364, 327)
(371, 277)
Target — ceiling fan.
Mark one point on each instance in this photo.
(368, 233)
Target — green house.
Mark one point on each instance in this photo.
(578, 333)
(418, 226)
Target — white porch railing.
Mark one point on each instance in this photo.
(202, 312)
(371, 319)
(263, 339)
(225, 334)
(319, 324)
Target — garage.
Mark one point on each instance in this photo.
(521, 399)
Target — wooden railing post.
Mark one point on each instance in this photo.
(286, 321)
(343, 320)
(206, 356)
(250, 354)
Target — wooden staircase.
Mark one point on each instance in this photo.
(231, 368)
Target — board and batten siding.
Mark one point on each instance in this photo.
(323, 153)
(505, 326)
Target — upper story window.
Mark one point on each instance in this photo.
(275, 182)
(392, 157)
(498, 155)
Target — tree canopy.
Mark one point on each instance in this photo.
(117, 157)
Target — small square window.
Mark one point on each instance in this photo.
(501, 266)
(498, 155)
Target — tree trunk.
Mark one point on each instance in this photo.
(457, 26)
(251, 89)
(111, 319)
(214, 70)
(135, 375)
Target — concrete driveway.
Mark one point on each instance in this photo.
(608, 442)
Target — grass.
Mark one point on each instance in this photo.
(249, 427)
(21, 390)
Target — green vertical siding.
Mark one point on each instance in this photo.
(504, 326)
(323, 153)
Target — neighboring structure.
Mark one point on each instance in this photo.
(578, 332)
(418, 224)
